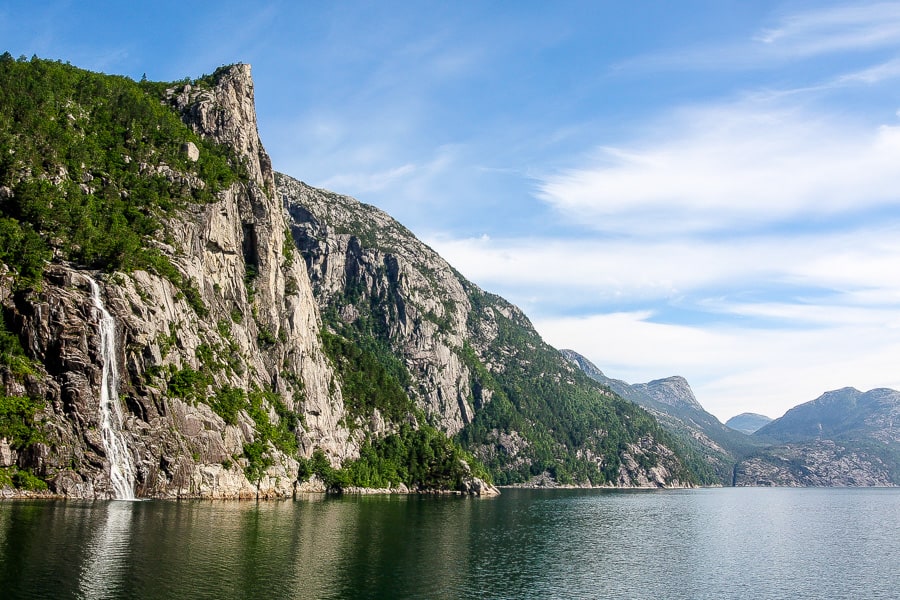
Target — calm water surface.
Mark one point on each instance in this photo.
(710, 543)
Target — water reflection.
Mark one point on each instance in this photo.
(106, 562)
(408, 546)
(525, 544)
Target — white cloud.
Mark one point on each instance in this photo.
(834, 312)
(732, 166)
(367, 182)
(860, 261)
(871, 75)
(793, 37)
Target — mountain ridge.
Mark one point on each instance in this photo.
(844, 437)
(472, 356)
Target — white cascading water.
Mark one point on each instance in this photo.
(121, 469)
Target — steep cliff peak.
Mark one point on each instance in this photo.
(222, 107)
(674, 391)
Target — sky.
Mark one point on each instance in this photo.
(708, 189)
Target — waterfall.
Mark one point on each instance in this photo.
(121, 470)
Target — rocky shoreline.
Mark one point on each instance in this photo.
(301, 491)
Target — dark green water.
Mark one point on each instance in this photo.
(717, 543)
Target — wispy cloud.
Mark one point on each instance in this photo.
(746, 163)
(834, 29)
(366, 183)
(366, 174)
(871, 75)
(861, 266)
(832, 312)
(792, 36)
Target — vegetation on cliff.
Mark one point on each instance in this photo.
(19, 424)
(90, 163)
(414, 453)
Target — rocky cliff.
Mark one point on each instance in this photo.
(244, 320)
(179, 317)
(369, 270)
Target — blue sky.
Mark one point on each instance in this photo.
(709, 189)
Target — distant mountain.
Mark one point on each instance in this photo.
(843, 438)
(841, 413)
(748, 422)
(712, 448)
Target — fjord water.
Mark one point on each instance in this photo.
(709, 543)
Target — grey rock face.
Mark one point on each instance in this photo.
(420, 302)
